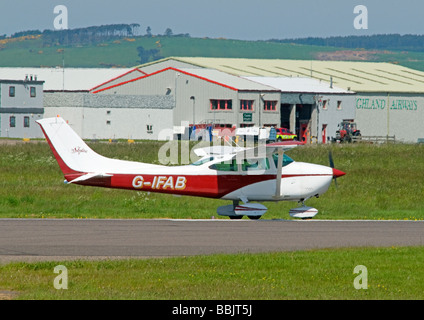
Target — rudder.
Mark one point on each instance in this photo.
(71, 152)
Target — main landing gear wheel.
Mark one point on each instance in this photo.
(236, 211)
(254, 217)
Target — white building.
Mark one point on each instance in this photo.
(21, 104)
(309, 97)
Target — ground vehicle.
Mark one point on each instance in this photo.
(284, 134)
(346, 131)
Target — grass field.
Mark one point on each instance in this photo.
(392, 273)
(382, 182)
(123, 53)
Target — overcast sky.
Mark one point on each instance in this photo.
(235, 19)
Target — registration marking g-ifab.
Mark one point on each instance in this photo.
(160, 183)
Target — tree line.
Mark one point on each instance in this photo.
(406, 42)
(90, 35)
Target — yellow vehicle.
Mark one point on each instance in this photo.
(284, 134)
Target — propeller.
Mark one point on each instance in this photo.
(330, 158)
(336, 173)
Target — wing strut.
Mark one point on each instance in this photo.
(279, 172)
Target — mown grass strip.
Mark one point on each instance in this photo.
(392, 273)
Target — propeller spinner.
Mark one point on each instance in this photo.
(336, 173)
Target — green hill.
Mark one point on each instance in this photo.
(123, 52)
(32, 51)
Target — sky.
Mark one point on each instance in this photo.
(231, 19)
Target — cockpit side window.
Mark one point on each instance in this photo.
(247, 165)
(229, 165)
(255, 164)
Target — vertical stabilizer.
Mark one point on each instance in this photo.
(70, 151)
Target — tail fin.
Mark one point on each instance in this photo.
(71, 152)
(78, 162)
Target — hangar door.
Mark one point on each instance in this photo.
(285, 115)
(297, 118)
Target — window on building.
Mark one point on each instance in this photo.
(270, 105)
(221, 104)
(32, 92)
(246, 125)
(325, 104)
(246, 105)
(108, 122)
(12, 121)
(149, 128)
(26, 122)
(339, 105)
(11, 91)
(223, 125)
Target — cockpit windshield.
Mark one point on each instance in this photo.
(286, 160)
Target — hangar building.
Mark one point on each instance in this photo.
(389, 98)
(198, 97)
(208, 96)
(309, 97)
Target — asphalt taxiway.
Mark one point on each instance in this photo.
(62, 239)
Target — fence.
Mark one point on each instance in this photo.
(374, 139)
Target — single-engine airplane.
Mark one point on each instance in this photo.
(223, 172)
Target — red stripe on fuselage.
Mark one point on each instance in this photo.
(209, 186)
